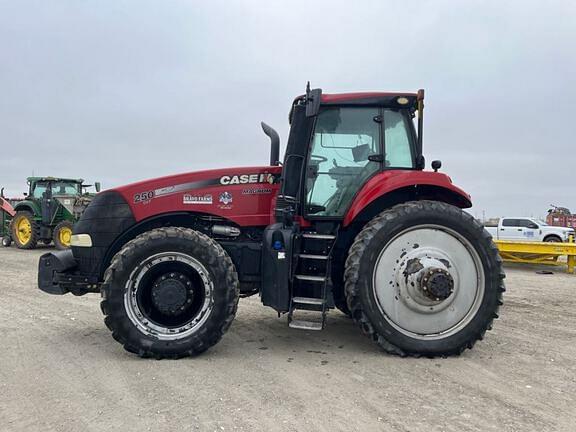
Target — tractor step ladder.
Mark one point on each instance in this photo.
(317, 306)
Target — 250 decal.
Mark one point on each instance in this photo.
(143, 196)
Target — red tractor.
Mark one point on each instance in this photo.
(350, 220)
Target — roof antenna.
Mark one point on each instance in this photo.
(313, 98)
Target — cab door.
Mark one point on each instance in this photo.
(349, 145)
(340, 158)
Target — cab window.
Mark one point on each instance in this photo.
(527, 223)
(397, 146)
(65, 188)
(40, 189)
(338, 161)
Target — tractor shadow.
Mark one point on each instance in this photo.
(272, 334)
(249, 336)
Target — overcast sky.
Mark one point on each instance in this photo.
(120, 91)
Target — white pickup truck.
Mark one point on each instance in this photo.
(528, 229)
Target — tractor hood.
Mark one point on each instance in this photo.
(242, 195)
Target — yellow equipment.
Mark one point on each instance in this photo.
(538, 252)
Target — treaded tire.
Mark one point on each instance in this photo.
(553, 239)
(31, 244)
(224, 297)
(362, 258)
(342, 305)
(56, 234)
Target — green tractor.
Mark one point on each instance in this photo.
(48, 212)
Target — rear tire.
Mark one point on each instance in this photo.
(424, 279)
(342, 306)
(62, 235)
(24, 230)
(170, 293)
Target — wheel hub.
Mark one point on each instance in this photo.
(65, 236)
(437, 284)
(172, 293)
(422, 276)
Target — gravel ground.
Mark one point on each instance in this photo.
(62, 371)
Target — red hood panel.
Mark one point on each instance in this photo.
(242, 195)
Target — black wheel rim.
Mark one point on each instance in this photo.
(169, 295)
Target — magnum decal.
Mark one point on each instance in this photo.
(257, 191)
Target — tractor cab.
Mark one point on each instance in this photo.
(50, 194)
(44, 187)
(337, 143)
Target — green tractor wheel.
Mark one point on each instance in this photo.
(62, 235)
(24, 230)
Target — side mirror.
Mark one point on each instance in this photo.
(420, 162)
(436, 165)
(97, 186)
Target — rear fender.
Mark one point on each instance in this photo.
(389, 188)
(29, 206)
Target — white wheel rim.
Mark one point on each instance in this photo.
(399, 271)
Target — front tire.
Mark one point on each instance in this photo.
(424, 279)
(62, 235)
(170, 293)
(6, 241)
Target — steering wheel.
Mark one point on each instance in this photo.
(318, 159)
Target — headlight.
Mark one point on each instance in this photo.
(81, 240)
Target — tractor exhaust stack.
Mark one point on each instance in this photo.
(274, 144)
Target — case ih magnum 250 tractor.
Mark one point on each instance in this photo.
(350, 220)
